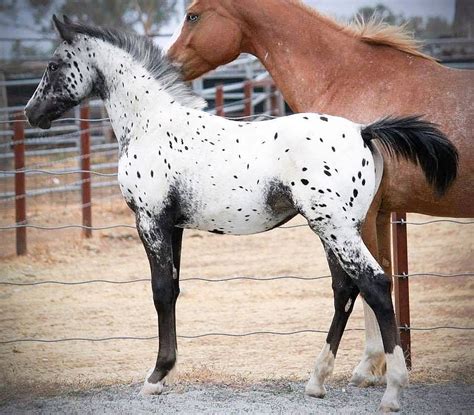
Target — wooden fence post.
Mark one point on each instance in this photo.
(20, 183)
(401, 284)
(85, 167)
(248, 92)
(220, 101)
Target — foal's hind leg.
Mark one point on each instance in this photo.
(375, 288)
(345, 294)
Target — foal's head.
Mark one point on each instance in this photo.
(211, 35)
(69, 78)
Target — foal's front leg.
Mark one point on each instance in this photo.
(162, 244)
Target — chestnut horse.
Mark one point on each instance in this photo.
(361, 71)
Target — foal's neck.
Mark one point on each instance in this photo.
(134, 100)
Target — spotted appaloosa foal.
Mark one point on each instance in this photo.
(182, 168)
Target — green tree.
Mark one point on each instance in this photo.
(437, 27)
(143, 16)
(464, 19)
(433, 27)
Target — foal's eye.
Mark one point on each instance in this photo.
(53, 66)
(191, 17)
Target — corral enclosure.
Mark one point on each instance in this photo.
(240, 320)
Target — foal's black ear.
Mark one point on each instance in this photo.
(66, 19)
(64, 31)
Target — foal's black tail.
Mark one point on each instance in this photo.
(418, 141)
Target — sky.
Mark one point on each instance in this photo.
(426, 8)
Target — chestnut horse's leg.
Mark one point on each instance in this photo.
(345, 294)
(163, 248)
(371, 368)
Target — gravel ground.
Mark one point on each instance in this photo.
(262, 399)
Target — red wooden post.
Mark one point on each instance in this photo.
(220, 100)
(20, 183)
(248, 92)
(85, 167)
(401, 284)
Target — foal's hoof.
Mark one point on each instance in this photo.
(149, 388)
(390, 400)
(392, 406)
(315, 391)
(364, 381)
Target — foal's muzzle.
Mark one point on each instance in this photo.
(43, 113)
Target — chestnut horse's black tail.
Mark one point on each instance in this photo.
(418, 141)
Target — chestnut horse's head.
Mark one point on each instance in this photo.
(210, 36)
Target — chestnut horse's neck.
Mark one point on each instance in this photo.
(311, 59)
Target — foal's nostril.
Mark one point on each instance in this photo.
(28, 113)
(33, 115)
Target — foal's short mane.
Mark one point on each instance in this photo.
(144, 51)
(375, 31)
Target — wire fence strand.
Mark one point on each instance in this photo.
(216, 280)
(213, 334)
(72, 119)
(201, 279)
(56, 172)
(429, 222)
(101, 228)
(54, 228)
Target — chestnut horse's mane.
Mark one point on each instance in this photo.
(375, 31)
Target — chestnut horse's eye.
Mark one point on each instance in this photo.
(191, 17)
(53, 66)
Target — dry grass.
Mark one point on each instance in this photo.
(104, 310)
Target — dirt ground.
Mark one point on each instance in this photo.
(101, 310)
(276, 397)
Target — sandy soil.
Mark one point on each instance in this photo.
(100, 310)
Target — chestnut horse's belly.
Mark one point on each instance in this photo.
(447, 100)
(405, 189)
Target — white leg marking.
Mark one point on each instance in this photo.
(371, 369)
(157, 388)
(151, 388)
(322, 370)
(397, 378)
